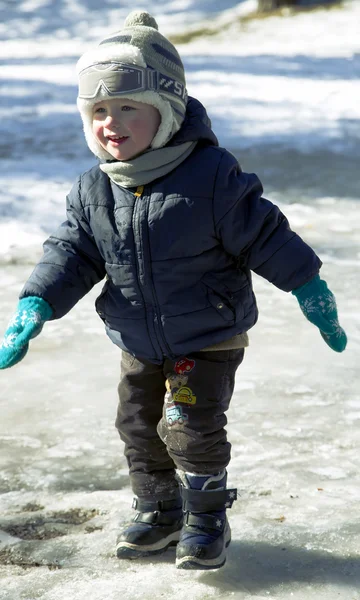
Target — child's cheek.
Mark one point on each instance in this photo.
(138, 126)
(97, 131)
(135, 125)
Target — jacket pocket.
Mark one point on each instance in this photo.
(220, 298)
(100, 301)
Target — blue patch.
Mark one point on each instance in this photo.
(174, 415)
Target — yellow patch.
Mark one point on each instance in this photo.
(185, 395)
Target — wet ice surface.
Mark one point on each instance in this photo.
(295, 415)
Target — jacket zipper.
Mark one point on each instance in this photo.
(162, 341)
(139, 191)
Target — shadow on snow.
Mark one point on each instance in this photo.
(258, 566)
(298, 66)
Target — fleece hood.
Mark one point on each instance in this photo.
(196, 126)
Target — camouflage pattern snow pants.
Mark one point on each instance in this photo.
(172, 416)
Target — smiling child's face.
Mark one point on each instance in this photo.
(125, 128)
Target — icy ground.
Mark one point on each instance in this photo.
(283, 95)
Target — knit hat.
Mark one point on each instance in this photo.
(137, 63)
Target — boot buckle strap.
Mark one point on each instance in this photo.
(231, 497)
(207, 500)
(155, 505)
(151, 518)
(157, 517)
(205, 521)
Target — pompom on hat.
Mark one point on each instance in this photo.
(137, 63)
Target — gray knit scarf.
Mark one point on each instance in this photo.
(150, 165)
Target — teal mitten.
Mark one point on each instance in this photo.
(27, 322)
(318, 304)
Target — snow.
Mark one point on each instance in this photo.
(282, 94)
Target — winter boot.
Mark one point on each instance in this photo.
(206, 532)
(155, 527)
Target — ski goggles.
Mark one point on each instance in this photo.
(117, 79)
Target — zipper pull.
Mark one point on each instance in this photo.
(139, 191)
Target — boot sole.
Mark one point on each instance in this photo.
(133, 551)
(191, 562)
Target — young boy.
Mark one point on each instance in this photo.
(176, 227)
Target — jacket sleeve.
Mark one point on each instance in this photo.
(71, 264)
(257, 232)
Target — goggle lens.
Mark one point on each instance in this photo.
(116, 79)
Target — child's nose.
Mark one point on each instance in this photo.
(109, 119)
(112, 119)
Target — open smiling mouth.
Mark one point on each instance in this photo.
(117, 140)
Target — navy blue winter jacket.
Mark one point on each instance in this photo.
(177, 259)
